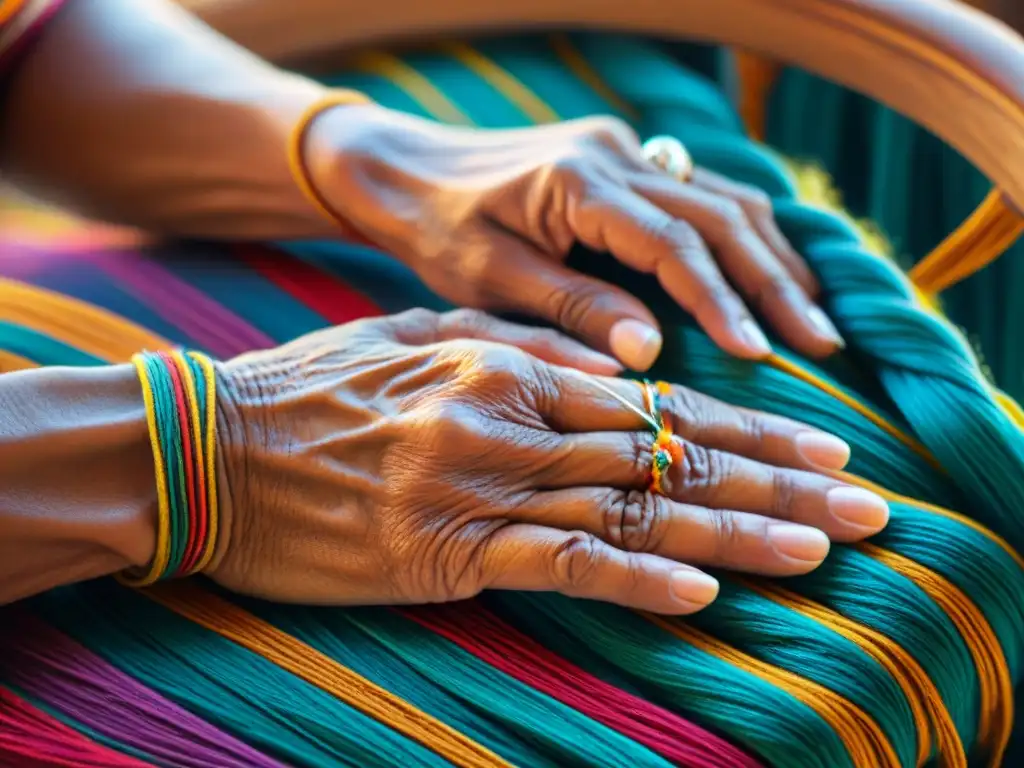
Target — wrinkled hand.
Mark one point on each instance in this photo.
(487, 219)
(425, 457)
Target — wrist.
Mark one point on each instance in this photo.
(77, 499)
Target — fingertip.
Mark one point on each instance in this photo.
(802, 547)
(822, 449)
(864, 513)
(692, 590)
(636, 343)
(824, 329)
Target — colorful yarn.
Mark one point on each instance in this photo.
(29, 738)
(180, 395)
(900, 652)
(116, 709)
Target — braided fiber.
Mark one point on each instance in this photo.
(903, 651)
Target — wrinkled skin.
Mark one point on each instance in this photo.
(487, 218)
(426, 457)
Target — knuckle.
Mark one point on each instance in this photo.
(773, 289)
(729, 214)
(679, 236)
(608, 132)
(572, 306)
(726, 534)
(635, 521)
(449, 424)
(464, 319)
(757, 202)
(784, 493)
(701, 471)
(576, 562)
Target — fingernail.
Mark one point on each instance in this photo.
(635, 343)
(694, 588)
(858, 507)
(824, 326)
(755, 338)
(824, 450)
(798, 542)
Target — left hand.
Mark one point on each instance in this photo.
(487, 218)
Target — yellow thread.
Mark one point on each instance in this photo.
(296, 149)
(864, 739)
(76, 323)
(502, 81)
(994, 683)
(163, 527)
(243, 628)
(802, 374)
(577, 63)
(927, 706)
(757, 76)
(992, 228)
(429, 97)
(211, 458)
(10, 362)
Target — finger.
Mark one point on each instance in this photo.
(715, 479)
(584, 404)
(748, 261)
(605, 316)
(544, 343)
(534, 558)
(637, 521)
(420, 327)
(758, 208)
(643, 236)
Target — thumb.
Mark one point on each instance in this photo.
(603, 315)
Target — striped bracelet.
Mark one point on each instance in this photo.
(180, 392)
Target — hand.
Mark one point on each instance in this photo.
(424, 457)
(487, 218)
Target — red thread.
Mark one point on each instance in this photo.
(480, 632)
(30, 738)
(321, 292)
(193, 545)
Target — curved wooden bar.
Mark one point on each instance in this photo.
(953, 70)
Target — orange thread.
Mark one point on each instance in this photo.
(250, 632)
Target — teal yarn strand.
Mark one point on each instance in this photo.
(784, 638)
(873, 595)
(749, 711)
(522, 725)
(170, 438)
(978, 566)
(232, 688)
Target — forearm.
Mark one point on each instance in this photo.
(280, 31)
(77, 491)
(134, 112)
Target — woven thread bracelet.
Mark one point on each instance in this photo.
(297, 155)
(180, 394)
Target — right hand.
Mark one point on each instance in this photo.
(424, 458)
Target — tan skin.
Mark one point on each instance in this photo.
(415, 458)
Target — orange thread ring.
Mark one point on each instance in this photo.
(296, 146)
(666, 449)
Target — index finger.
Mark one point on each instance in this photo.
(585, 403)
